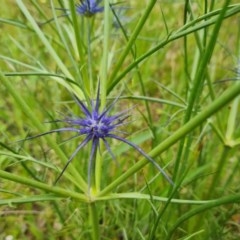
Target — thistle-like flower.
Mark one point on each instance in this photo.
(89, 7)
(95, 126)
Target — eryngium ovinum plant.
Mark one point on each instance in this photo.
(86, 57)
(95, 125)
(98, 121)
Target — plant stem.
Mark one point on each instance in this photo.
(189, 28)
(224, 200)
(220, 164)
(94, 225)
(220, 102)
(46, 187)
(103, 89)
(104, 64)
(132, 39)
(196, 90)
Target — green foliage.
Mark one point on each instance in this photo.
(175, 65)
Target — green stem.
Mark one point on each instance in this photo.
(216, 105)
(225, 200)
(150, 122)
(189, 28)
(196, 90)
(43, 38)
(103, 85)
(43, 186)
(94, 224)
(47, 44)
(220, 164)
(104, 65)
(76, 29)
(231, 126)
(132, 39)
(90, 65)
(66, 45)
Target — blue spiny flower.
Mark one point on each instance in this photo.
(96, 125)
(89, 7)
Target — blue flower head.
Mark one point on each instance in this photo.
(96, 126)
(89, 7)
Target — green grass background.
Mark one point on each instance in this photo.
(194, 61)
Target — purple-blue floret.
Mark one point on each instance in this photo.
(96, 126)
(89, 7)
